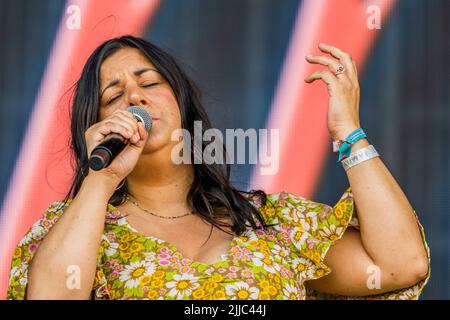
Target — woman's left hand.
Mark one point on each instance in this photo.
(343, 88)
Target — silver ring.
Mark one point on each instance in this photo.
(340, 70)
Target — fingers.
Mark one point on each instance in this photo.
(120, 122)
(344, 58)
(128, 118)
(325, 75)
(141, 130)
(143, 134)
(113, 126)
(332, 63)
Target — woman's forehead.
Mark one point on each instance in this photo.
(123, 60)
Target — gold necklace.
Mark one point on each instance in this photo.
(156, 215)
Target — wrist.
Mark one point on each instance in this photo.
(344, 133)
(359, 145)
(349, 140)
(103, 185)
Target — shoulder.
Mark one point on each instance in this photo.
(285, 206)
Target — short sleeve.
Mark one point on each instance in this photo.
(318, 226)
(26, 249)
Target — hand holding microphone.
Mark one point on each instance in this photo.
(115, 143)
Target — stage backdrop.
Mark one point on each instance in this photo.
(248, 57)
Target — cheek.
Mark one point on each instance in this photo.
(172, 111)
(104, 112)
(101, 115)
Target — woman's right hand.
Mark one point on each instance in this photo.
(124, 123)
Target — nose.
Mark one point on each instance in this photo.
(138, 101)
(136, 98)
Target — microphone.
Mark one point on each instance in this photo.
(103, 154)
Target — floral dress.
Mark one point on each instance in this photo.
(273, 263)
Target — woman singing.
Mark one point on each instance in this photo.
(147, 228)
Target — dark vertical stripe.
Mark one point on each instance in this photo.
(27, 31)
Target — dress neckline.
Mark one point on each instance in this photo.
(225, 257)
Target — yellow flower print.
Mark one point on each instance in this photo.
(270, 211)
(272, 290)
(209, 285)
(262, 243)
(132, 273)
(344, 222)
(339, 210)
(300, 237)
(124, 246)
(182, 285)
(291, 213)
(145, 280)
(99, 276)
(264, 284)
(152, 295)
(267, 261)
(317, 257)
(243, 294)
(264, 295)
(127, 237)
(156, 284)
(301, 267)
(125, 255)
(309, 254)
(198, 294)
(159, 274)
(135, 247)
(320, 272)
(138, 272)
(217, 277)
(17, 253)
(220, 294)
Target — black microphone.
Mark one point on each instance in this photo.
(103, 154)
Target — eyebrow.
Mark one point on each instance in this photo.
(137, 73)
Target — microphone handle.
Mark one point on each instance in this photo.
(103, 154)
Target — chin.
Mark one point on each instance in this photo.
(155, 143)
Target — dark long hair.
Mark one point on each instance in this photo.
(211, 195)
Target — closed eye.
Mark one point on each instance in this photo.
(114, 98)
(146, 85)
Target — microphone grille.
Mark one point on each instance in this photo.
(143, 116)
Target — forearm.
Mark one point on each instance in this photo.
(73, 241)
(389, 230)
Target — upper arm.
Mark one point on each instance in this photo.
(353, 272)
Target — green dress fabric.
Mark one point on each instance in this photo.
(271, 263)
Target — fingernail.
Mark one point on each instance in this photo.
(309, 55)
